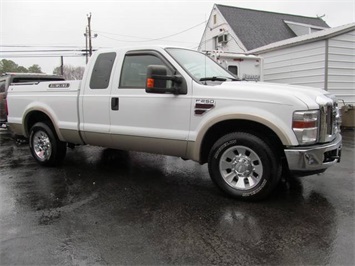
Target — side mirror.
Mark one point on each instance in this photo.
(157, 80)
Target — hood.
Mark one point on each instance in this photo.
(271, 92)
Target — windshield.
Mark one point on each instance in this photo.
(199, 66)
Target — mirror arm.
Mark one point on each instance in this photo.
(175, 78)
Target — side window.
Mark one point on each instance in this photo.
(100, 77)
(2, 85)
(134, 70)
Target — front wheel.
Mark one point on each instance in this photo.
(45, 146)
(244, 166)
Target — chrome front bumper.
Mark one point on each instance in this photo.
(314, 158)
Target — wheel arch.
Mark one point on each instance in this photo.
(34, 116)
(221, 128)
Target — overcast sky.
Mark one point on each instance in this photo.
(49, 24)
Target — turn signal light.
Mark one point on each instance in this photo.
(304, 124)
(150, 83)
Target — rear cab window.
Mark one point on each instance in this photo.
(101, 74)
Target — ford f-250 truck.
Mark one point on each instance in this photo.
(179, 102)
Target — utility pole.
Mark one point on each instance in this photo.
(88, 37)
(62, 65)
(86, 44)
(89, 28)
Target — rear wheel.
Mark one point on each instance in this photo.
(244, 166)
(45, 146)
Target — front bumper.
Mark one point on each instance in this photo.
(314, 158)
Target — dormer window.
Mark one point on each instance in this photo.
(302, 29)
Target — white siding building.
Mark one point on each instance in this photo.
(324, 59)
(238, 30)
(219, 35)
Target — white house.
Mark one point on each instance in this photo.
(324, 59)
(238, 30)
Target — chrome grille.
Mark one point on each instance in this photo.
(329, 119)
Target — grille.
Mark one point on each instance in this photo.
(329, 121)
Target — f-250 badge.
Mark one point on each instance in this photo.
(204, 105)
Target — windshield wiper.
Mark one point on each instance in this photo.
(218, 79)
(213, 79)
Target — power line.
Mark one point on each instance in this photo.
(40, 46)
(41, 55)
(107, 37)
(129, 36)
(40, 51)
(179, 32)
(146, 39)
(69, 52)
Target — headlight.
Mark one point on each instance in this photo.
(305, 125)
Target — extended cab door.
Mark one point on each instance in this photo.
(151, 122)
(95, 101)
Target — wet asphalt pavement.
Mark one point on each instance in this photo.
(108, 207)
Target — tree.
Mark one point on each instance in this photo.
(70, 72)
(8, 66)
(35, 69)
(11, 66)
(21, 69)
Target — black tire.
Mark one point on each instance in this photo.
(244, 166)
(45, 146)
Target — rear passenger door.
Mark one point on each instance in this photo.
(95, 102)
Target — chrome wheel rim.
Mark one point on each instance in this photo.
(241, 168)
(42, 146)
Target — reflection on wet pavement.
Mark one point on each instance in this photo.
(105, 206)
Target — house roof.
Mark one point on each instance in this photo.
(312, 37)
(258, 28)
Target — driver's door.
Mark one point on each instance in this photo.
(143, 121)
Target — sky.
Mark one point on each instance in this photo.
(29, 25)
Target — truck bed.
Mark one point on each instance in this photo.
(58, 99)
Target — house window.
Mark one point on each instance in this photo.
(214, 19)
(302, 29)
(233, 69)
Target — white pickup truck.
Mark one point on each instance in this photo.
(180, 102)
